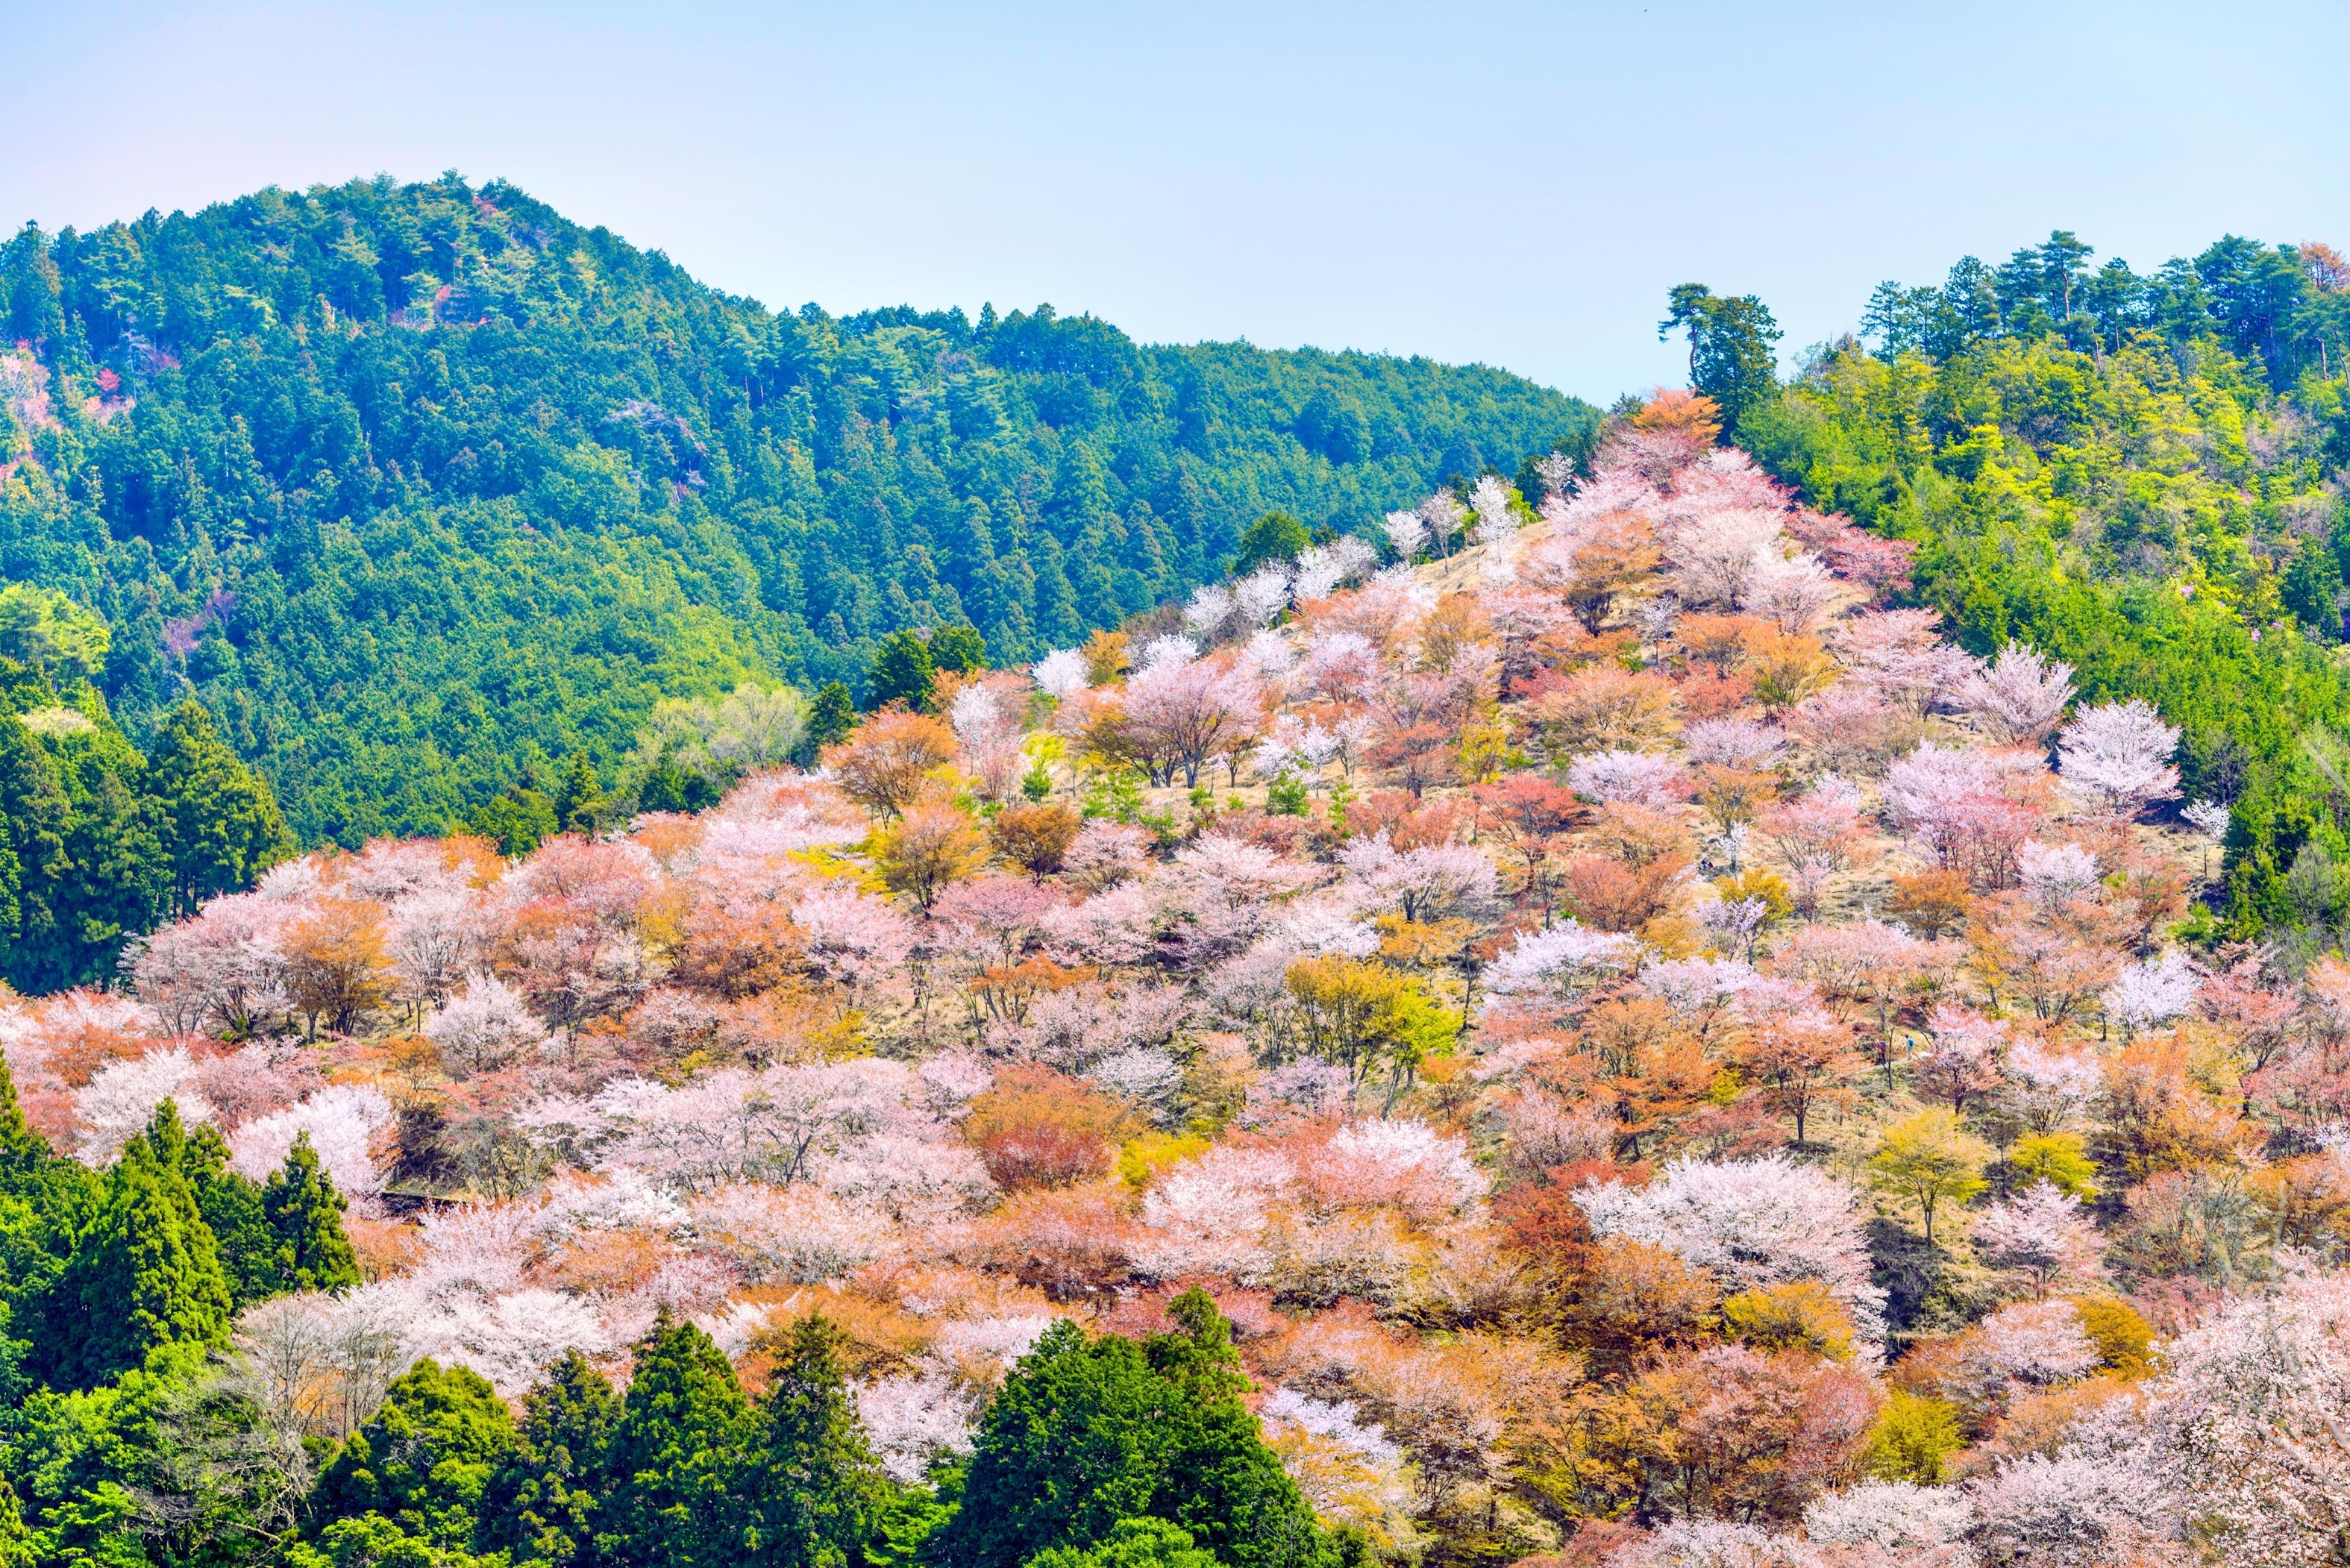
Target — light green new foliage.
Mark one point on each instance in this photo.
(1929, 1160)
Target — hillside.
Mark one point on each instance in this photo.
(2141, 474)
(419, 489)
(1617, 1044)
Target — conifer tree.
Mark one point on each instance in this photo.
(541, 1507)
(579, 799)
(231, 1205)
(15, 1542)
(677, 1458)
(145, 1275)
(833, 715)
(1072, 1443)
(34, 816)
(1086, 1433)
(1221, 1482)
(18, 1143)
(216, 819)
(304, 1216)
(817, 1492)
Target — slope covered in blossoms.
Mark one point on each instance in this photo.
(1655, 1057)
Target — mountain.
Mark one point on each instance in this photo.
(419, 489)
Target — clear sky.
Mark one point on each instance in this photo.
(1518, 185)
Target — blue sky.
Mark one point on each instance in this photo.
(1518, 185)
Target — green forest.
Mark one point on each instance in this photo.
(2138, 474)
(421, 489)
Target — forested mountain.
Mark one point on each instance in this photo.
(418, 488)
(1616, 1045)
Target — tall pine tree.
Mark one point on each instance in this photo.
(310, 1249)
(217, 821)
(542, 1505)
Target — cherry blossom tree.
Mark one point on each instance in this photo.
(121, 1100)
(1181, 712)
(2148, 995)
(2044, 1235)
(2116, 756)
(2020, 696)
(1062, 673)
(486, 1027)
(344, 1123)
(1405, 534)
(1754, 1223)
(1643, 778)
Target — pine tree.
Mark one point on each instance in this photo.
(35, 815)
(1085, 1435)
(1221, 1482)
(304, 1216)
(677, 1458)
(16, 1541)
(146, 1274)
(541, 1507)
(18, 1143)
(231, 1206)
(816, 1493)
(1072, 1443)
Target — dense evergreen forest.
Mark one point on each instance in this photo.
(420, 489)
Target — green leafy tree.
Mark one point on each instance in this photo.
(1733, 347)
(1275, 536)
(43, 628)
(902, 672)
(833, 714)
(958, 648)
(817, 1494)
(521, 817)
(34, 865)
(542, 1505)
(232, 1209)
(579, 802)
(2311, 588)
(676, 1459)
(414, 1478)
(1088, 1433)
(1132, 1543)
(217, 821)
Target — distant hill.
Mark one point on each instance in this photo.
(419, 488)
